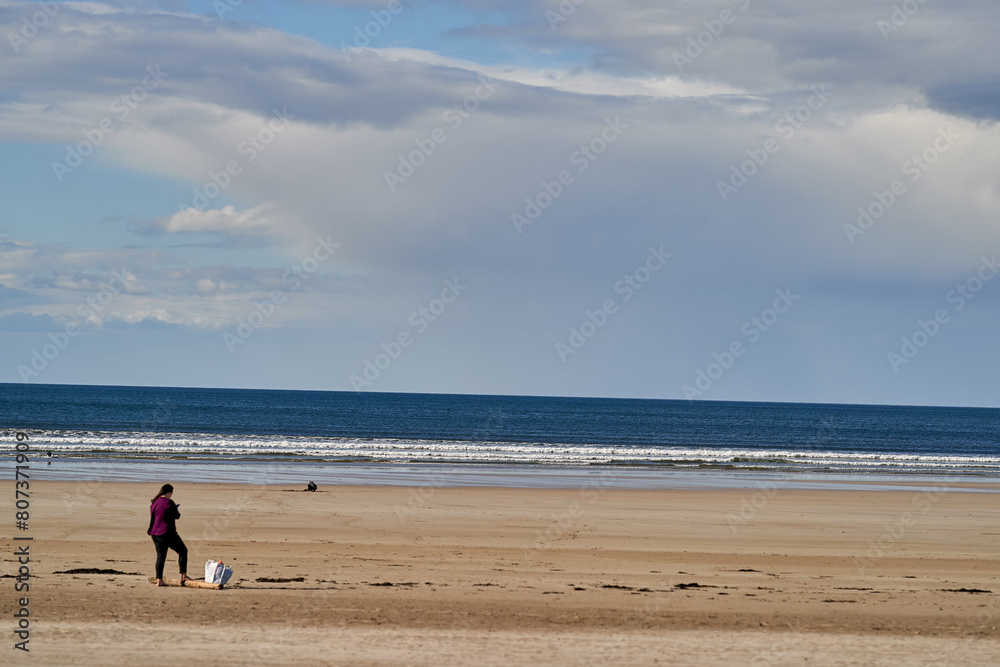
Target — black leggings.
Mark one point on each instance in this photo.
(169, 541)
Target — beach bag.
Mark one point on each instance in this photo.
(217, 573)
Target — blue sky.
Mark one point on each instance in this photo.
(727, 200)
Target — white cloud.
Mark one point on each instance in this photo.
(227, 220)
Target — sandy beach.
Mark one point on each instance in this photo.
(394, 575)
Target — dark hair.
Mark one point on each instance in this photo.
(164, 490)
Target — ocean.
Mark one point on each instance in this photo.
(222, 434)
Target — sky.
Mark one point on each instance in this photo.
(719, 200)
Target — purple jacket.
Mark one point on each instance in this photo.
(162, 514)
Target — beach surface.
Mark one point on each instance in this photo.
(423, 575)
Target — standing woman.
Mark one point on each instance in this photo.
(162, 514)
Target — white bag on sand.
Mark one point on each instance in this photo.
(217, 573)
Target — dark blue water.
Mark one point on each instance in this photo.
(368, 427)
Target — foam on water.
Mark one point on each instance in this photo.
(213, 446)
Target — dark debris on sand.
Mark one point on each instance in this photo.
(95, 570)
(964, 590)
(389, 583)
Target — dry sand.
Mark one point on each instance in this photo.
(491, 576)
